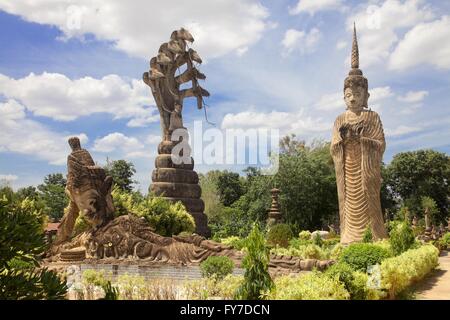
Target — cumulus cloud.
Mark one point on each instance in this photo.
(426, 43)
(413, 96)
(8, 177)
(378, 26)
(24, 136)
(117, 141)
(302, 41)
(219, 27)
(56, 96)
(335, 101)
(401, 130)
(313, 6)
(298, 122)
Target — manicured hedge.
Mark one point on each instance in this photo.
(398, 273)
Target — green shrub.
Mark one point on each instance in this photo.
(336, 251)
(257, 280)
(123, 202)
(355, 282)
(22, 245)
(317, 240)
(297, 242)
(359, 256)
(228, 286)
(446, 239)
(401, 237)
(216, 267)
(166, 218)
(311, 286)
(400, 272)
(81, 225)
(310, 251)
(368, 237)
(234, 241)
(304, 235)
(279, 235)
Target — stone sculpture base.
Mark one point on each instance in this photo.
(179, 182)
(129, 238)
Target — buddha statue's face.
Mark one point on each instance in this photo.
(356, 98)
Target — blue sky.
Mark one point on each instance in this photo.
(74, 68)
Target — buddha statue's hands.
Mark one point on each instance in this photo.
(350, 133)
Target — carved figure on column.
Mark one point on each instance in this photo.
(174, 177)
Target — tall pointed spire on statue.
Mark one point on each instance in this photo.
(355, 75)
(355, 52)
(355, 55)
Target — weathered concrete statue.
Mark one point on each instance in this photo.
(128, 237)
(357, 149)
(89, 191)
(174, 177)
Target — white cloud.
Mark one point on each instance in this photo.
(377, 26)
(304, 42)
(117, 141)
(218, 27)
(286, 122)
(24, 136)
(401, 130)
(313, 6)
(341, 45)
(335, 101)
(413, 96)
(8, 177)
(380, 93)
(153, 139)
(427, 43)
(60, 98)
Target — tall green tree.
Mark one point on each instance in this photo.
(422, 173)
(307, 181)
(230, 187)
(52, 193)
(122, 173)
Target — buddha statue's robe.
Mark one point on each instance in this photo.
(358, 175)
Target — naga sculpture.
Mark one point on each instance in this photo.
(174, 177)
(357, 149)
(130, 237)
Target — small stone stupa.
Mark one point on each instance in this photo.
(274, 211)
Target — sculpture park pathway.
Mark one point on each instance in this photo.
(437, 285)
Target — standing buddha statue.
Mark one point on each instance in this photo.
(357, 149)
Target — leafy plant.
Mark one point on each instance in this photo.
(368, 236)
(400, 272)
(22, 244)
(359, 256)
(279, 235)
(317, 240)
(257, 280)
(168, 219)
(311, 286)
(304, 235)
(216, 267)
(401, 237)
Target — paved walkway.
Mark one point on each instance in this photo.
(437, 285)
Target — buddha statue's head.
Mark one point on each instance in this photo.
(356, 94)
